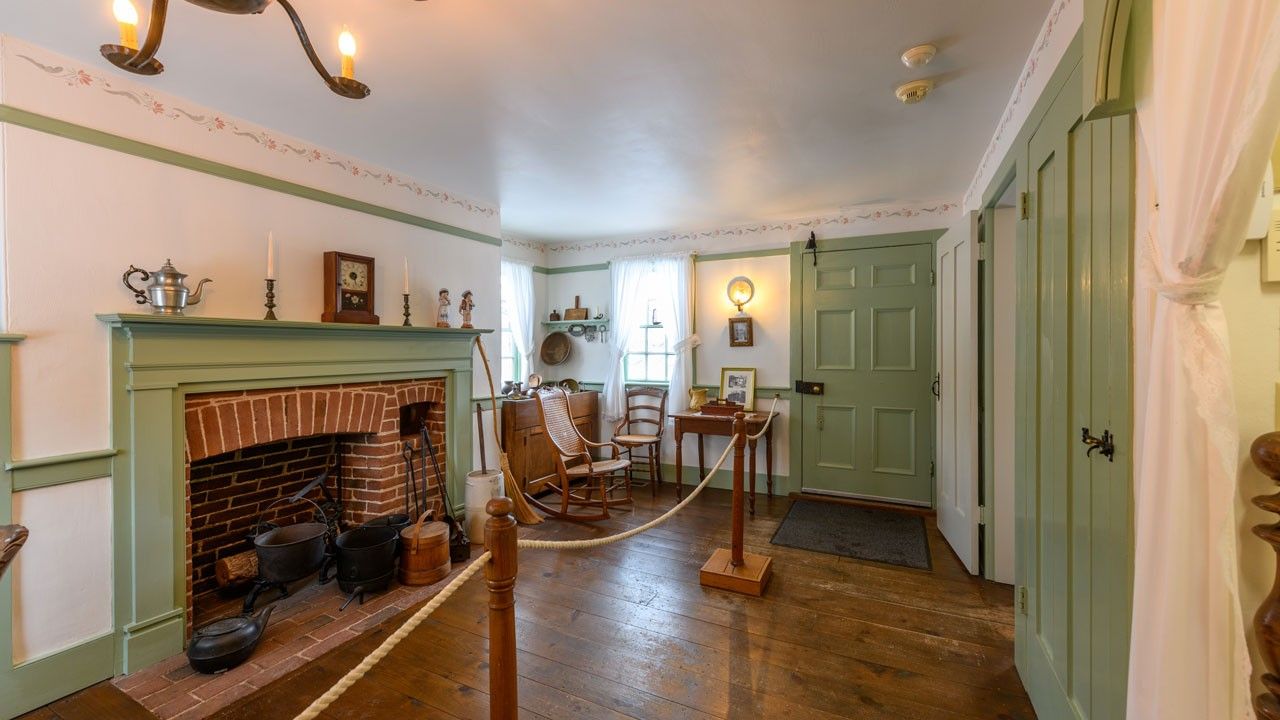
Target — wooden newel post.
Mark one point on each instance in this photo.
(733, 568)
(1266, 623)
(500, 539)
(739, 445)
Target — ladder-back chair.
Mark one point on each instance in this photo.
(581, 476)
(641, 428)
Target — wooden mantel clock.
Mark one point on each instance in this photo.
(348, 288)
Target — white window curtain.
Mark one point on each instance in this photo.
(1207, 124)
(633, 280)
(517, 294)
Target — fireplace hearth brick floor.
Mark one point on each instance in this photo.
(303, 627)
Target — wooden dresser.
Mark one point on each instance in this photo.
(524, 439)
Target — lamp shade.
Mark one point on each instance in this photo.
(740, 291)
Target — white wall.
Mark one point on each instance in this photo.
(588, 360)
(77, 215)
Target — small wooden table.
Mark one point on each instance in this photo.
(722, 425)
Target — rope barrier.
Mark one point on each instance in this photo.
(332, 694)
(597, 542)
(768, 422)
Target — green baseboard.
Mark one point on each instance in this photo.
(39, 682)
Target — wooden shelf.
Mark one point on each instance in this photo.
(566, 324)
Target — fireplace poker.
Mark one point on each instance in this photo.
(459, 544)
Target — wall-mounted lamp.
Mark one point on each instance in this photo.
(740, 291)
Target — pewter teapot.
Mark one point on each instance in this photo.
(166, 292)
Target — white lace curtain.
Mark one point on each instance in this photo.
(1207, 126)
(517, 299)
(668, 278)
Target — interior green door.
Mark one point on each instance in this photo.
(868, 337)
(1074, 547)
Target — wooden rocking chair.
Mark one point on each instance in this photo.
(586, 476)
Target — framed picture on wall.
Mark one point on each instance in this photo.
(738, 385)
(741, 332)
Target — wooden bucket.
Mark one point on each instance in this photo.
(424, 555)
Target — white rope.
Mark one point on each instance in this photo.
(768, 422)
(597, 542)
(332, 694)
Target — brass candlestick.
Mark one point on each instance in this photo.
(271, 300)
(406, 311)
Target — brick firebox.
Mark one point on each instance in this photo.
(245, 450)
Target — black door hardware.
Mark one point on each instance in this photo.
(936, 388)
(804, 387)
(1106, 444)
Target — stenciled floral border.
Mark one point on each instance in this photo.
(850, 217)
(79, 78)
(1028, 70)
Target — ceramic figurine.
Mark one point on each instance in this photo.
(442, 314)
(555, 316)
(465, 306)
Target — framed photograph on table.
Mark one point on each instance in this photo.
(738, 385)
(741, 332)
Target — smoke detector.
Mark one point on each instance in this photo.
(919, 55)
(914, 91)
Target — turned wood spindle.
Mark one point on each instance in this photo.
(1266, 623)
(739, 446)
(500, 537)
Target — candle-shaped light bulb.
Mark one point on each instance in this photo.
(347, 46)
(271, 256)
(406, 276)
(127, 16)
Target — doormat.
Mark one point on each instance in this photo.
(897, 538)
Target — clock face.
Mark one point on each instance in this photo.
(354, 276)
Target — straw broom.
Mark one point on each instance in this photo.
(523, 512)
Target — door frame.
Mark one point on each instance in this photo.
(795, 425)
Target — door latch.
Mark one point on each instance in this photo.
(1105, 444)
(936, 387)
(804, 387)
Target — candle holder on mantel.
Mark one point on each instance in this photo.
(271, 300)
(406, 311)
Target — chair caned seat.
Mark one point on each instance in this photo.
(597, 467)
(636, 439)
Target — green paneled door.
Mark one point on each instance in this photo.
(868, 336)
(1074, 543)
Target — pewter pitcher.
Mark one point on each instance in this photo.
(166, 293)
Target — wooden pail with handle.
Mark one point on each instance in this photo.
(424, 552)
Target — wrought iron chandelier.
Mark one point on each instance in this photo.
(142, 60)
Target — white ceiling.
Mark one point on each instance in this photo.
(586, 118)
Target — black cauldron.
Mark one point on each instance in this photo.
(365, 559)
(287, 553)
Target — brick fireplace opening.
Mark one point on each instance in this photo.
(247, 450)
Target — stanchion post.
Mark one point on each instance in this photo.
(500, 539)
(739, 445)
(733, 568)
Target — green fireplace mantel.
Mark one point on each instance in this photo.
(156, 361)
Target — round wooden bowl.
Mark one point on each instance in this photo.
(556, 348)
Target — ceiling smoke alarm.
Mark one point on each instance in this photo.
(919, 55)
(914, 91)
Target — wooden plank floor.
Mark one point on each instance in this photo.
(625, 631)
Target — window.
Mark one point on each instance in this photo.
(649, 356)
(510, 354)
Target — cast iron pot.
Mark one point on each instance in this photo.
(365, 559)
(225, 643)
(395, 521)
(291, 552)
